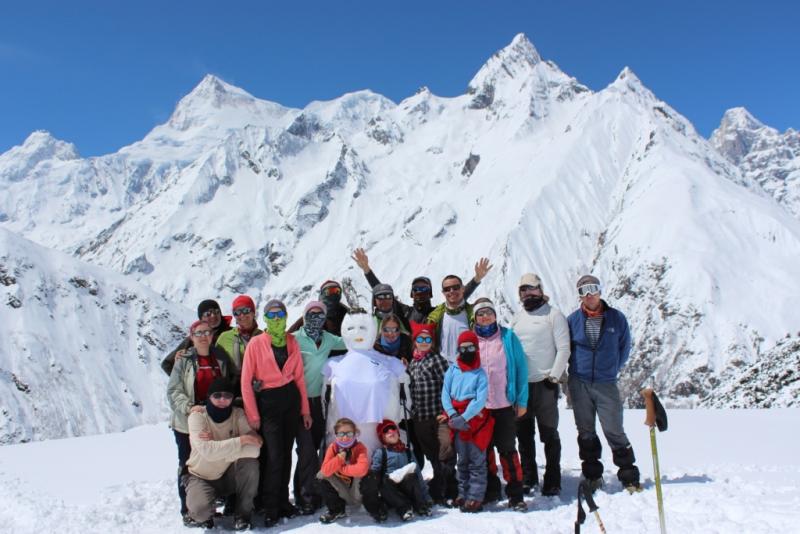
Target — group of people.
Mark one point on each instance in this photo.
(340, 385)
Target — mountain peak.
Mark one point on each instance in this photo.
(514, 61)
(740, 119)
(206, 99)
(43, 145)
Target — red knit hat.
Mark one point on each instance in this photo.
(243, 301)
(386, 423)
(468, 336)
(419, 328)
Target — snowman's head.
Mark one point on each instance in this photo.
(359, 331)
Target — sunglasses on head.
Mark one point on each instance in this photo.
(448, 289)
(384, 296)
(390, 428)
(242, 311)
(273, 314)
(424, 339)
(390, 329)
(421, 289)
(202, 333)
(220, 395)
(332, 290)
(347, 434)
(467, 349)
(209, 313)
(589, 289)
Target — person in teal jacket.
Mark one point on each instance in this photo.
(316, 345)
(503, 359)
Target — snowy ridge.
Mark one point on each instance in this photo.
(80, 346)
(770, 158)
(528, 167)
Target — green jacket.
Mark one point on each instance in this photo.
(180, 389)
(314, 358)
(232, 343)
(436, 317)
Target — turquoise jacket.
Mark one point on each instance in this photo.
(314, 358)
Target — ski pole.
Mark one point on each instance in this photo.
(656, 416)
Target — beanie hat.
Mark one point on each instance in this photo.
(530, 279)
(221, 384)
(422, 328)
(195, 324)
(468, 336)
(315, 304)
(243, 301)
(483, 303)
(274, 303)
(381, 289)
(206, 305)
(424, 279)
(587, 279)
(386, 423)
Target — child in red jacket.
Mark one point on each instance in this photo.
(346, 462)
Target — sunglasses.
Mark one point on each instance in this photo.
(242, 311)
(331, 291)
(484, 313)
(421, 289)
(280, 314)
(384, 296)
(467, 349)
(589, 289)
(348, 434)
(424, 339)
(209, 313)
(525, 289)
(389, 429)
(390, 329)
(448, 289)
(222, 395)
(202, 333)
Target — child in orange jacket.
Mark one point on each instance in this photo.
(346, 462)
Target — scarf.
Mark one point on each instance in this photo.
(218, 415)
(313, 324)
(533, 303)
(392, 348)
(420, 355)
(486, 331)
(247, 334)
(590, 313)
(455, 311)
(276, 328)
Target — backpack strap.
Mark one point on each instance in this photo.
(237, 350)
(383, 465)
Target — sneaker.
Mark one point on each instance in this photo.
(551, 491)
(472, 507)
(408, 515)
(240, 523)
(634, 487)
(518, 505)
(331, 515)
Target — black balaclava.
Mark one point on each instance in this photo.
(218, 415)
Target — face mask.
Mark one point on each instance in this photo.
(486, 331)
(313, 323)
(276, 328)
(467, 357)
(218, 415)
(345, 443)
(531, 302)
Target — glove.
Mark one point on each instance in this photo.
(458, 423)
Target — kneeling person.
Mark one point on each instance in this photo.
(224, 458)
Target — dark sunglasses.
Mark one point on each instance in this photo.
(448, 289)
(209, 313)
(390, 329)
(220, 395)
(390, 428)
(242, 311)
(421, 289)
(524, 289)
(467, 349)
(425, 339)
(273, 314)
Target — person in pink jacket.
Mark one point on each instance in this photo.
(275, 399)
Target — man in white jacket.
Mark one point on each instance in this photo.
(224, 458)
(544, 334)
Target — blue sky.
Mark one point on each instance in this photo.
(102, 74)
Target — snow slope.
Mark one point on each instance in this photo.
(80, 346)
(238, 195)
(713, 482)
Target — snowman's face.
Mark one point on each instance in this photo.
(359, 330)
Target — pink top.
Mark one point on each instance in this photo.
(494, 362)
(259, 364)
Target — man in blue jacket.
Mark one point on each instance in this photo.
(600, 344)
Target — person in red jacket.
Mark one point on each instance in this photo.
(274, 394)
(346, 462)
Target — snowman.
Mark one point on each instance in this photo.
(365, 384)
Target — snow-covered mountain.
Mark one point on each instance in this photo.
(768, 157)
(529, 167)
(80, 346)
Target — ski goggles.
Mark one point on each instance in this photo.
(280, 314)
(467, 349)
(242, 311)
(421, 289)
(209, 313)
(448, 289)
(589, 289)
(424, 339)
(348, 434)
(390, 329)
(332, 290)
(221, 395)
(202, 333)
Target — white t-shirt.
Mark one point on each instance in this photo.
(452, 326)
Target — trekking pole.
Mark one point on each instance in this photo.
(656, 416)
(585, 493)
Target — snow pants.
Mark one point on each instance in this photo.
(306, 489)
(504, 439)
(471, 470)
(589, 402)
(542, 410)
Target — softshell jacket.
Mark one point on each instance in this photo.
(180, 388)
(315, 357)
(516, 367)
(211, 458)
(355, 465)
(169, 361)
(544, 334)
(260, 364)
(234, 345)
(603, 363)
(459, 385)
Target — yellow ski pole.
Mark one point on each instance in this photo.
(656, 416)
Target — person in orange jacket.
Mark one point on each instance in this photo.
(345, 464)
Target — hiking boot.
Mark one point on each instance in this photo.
(527, 487)
(424, 511)
(187, 521)
(380, 516)
(458, 502)
(241, 523)
(408, 515)
(307, 508)
(634, 487)
(271, 520)
(331, 515)
(551, 491)
(198, 524)
(288, 511)
(517, 504)
(472, 507)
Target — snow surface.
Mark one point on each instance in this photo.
(723, 471)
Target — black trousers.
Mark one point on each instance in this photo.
(184, 450)
(279, 409)
(434, 442)
(403, 496)
(306, 490)
(542, 410)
